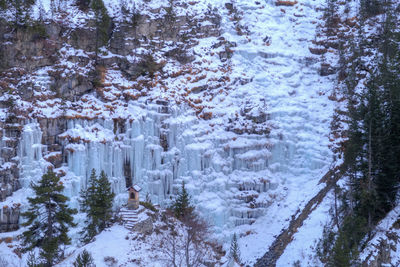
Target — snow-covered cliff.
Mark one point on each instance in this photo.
(224, 95)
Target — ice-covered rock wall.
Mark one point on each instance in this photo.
(30, 153)
(268, 126)
(158, 148)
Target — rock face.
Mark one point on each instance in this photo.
(25, 50)
(144, 226)
(9, 218)
(9, 173)
(53, 61)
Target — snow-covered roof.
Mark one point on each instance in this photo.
(135, 187)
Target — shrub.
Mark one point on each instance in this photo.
(38, 30)
(148, 205)
(148, 65)
(110, 261)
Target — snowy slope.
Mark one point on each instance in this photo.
(286, 76)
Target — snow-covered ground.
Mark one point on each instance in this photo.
(388, 231)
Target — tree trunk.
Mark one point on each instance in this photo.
(187, 245)
(49, 227)
(369, 171)
(336, 208)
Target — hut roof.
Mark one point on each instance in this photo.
(135, 187)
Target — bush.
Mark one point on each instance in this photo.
(38, 30)
(325, 244)
(148, 205)
(110, 261)
(148, 65)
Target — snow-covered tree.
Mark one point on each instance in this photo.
(181, 206)
(234, 251)
(96, 201)
(103, 22)
(84, 259)
(48, 218)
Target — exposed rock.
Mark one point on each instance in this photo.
(9, 173)
(326, 70)
(29, 47)
(9, 218)
(381, 258)
(51, 128)
(144, 227)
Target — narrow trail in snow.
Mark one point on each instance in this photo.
(286, 236)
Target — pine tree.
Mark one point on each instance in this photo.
(84, 259)
(125, 12)
(370, 160)
(96, 201)
(3, 4)
(181, 206)
(371, 154)
(234, 251)
(331, 17)
(103, 23)
(48, 218)
(87, 203)
(104, 201)
(370, 8)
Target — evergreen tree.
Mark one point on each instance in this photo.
(181, 206)
(3, 4)
(370, 8)
(84, 259)
(331, 16)
(125, 12)
(371, 155)
(372, 128)
(389, 79)
(104, 201)
(96, 201)
(234, 251)
(48, 218)
(103, 23)
(88, 201)
(341, 253)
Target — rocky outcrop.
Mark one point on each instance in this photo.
(144, 227)
(9, 218)
(9, 174)
(29, 47)
(381, 258)
(26, 49)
